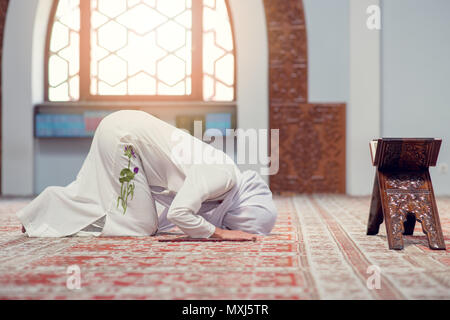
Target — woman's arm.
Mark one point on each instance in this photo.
(202, 182)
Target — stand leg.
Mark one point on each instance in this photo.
(394, 226)
(376, 212)
(399, 218)
(428, 215)
(435, 236)
(393, 211)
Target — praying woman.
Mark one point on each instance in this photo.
(137, 161)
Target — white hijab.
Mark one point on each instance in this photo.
(248, 207)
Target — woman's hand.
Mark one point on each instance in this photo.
(233, 235)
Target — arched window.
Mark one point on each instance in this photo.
(140, 50)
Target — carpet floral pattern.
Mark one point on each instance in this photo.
(318, 250)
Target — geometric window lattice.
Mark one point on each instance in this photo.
(141, 47)
(218, 55)
(64, 50)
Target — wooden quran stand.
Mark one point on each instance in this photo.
(402, 191)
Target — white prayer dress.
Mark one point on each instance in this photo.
(136, 159)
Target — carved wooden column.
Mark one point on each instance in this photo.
(3, 9)
(312, 136)
(288, 63)
(312, 148)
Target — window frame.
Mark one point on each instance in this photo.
(85, 61)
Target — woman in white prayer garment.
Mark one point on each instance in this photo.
(136, 160)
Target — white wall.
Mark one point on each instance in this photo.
(363, 110)
(344, 66)
(17, 120)
(252, 66)
(252, 63)
(416, 75)
(327, 26)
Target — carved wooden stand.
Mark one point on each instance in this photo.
(402, 191)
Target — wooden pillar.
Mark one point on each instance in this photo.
(312, 136)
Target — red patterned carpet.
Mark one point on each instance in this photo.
(319, 250)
